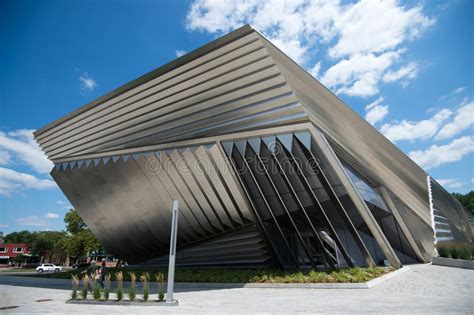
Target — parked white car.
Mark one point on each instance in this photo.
(48, 267)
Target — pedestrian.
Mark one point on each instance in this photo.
(91, 270)
(102, 273)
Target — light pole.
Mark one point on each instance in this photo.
(174, 232)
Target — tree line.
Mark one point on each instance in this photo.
(467, 200)
(59, 246)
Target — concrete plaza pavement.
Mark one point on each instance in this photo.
(422, 289)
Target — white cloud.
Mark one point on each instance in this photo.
(368, 35)
(436, 155)
(377, 26)
(314, 71)
(463, 120)
(180, 52)
(450, 182)
(31, 220)
(459, 90)
(5, 158)
(359, 75)
(3, 225)
(414, 130)
(88, 83)
(21, 145)
(64, 204)
(50, 215)
(375, 111)
(408, 71)
(13, 181)
(453, 95)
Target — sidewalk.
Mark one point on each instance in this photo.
(423, 289)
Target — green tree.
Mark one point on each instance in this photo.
(74, 223)
(467, 200)
(42, 243)
(57, 246)
(81, 239)
(21, 237)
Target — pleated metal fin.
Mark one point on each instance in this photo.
(227, 147)
(255, 144)
(240, 145)
(286, 140)
(304, 138)
(270, 142)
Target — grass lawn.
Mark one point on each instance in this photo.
(230, 275)
(5, 270)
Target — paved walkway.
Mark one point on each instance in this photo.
(423, 289)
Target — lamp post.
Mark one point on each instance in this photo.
(174, 232)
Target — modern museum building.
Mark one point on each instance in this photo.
(269, 168)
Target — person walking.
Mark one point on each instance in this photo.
(91, 270)
(102, 273)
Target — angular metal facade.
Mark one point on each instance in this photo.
(269, 167)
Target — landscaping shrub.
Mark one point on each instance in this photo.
(96, 292)
(131, 291)
(119, 278)
(159, 281)
(443, 251)
(85, 286)
(144, 278)
(119, 294)
(464, 252)
(318, 277)
(107, 287)
(341, 276)
(75, 283)
(224, 275)
(454, 252)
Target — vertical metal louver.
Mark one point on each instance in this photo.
(301, 211)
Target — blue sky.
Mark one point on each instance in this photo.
(405, 66)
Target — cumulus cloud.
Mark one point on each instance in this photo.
(314, 71)
(359, 75)
(32, 220)
(87, 82)
(5, 157)
(50, 215)
(436, 155)
(408, 71)
(416, 130)
(450, 182)
(180, 53)
(12, 181)
(22, 146)
(377, 26)
(375, 111)
(367, 35)
(464, 119)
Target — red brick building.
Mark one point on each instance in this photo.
(9, 251)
